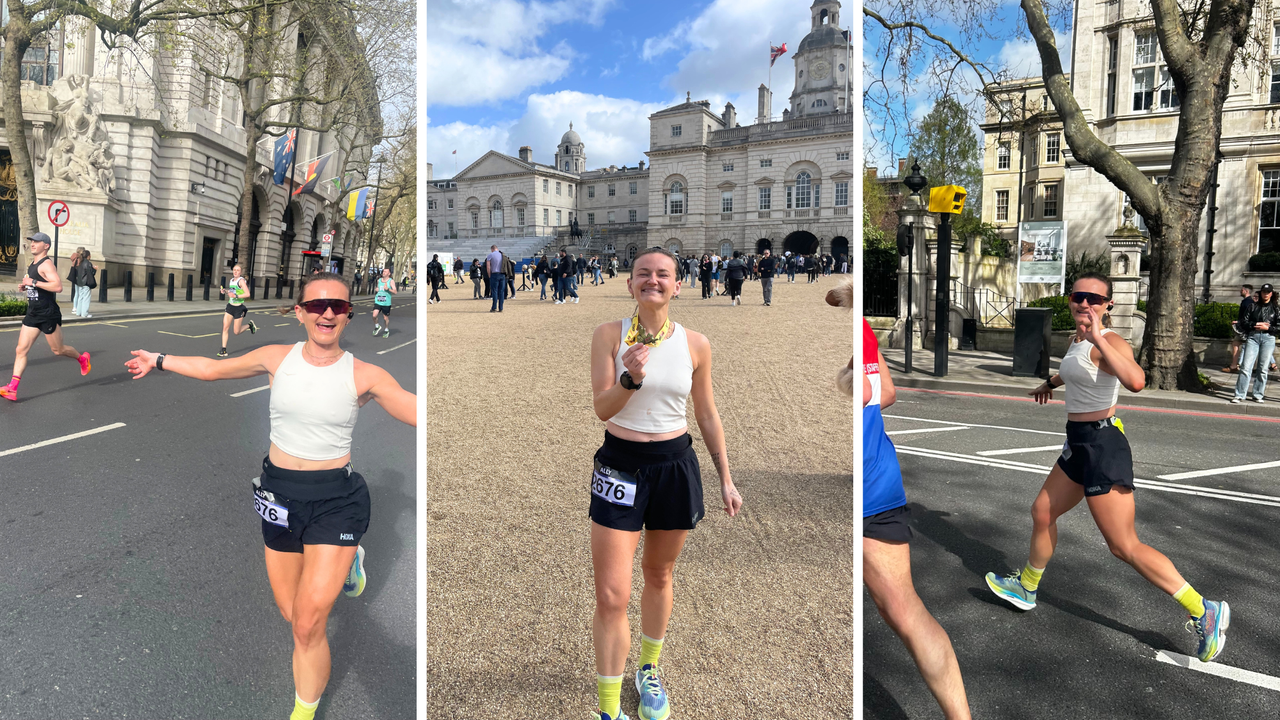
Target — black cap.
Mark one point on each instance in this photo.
(1266, 288)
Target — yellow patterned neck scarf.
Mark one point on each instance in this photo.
(637, 333)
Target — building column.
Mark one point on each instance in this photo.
(1126, 260)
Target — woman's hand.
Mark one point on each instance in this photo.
(634, 358)
(142, 363)
(732, 500)
(1092, 330)
(1043, 393)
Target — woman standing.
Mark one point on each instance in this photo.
(1097, 465)
(236, 291)
(84, 280)
(475, 279)
(646, 474)
(704, 275)
(541, 273)
(314, 506)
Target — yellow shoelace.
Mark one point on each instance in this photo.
(637, 333)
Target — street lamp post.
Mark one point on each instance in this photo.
(947, 200)
(915, 182)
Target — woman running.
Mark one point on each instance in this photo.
(236, 291)
(1097, 465)
(382, 301)
(314, 506)
(646, 474)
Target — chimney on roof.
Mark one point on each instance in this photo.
(730, 116)
(765, 107)
(640, 166)
(902, 167)
(526, 153)
(872, 172)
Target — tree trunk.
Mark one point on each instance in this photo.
(252, 136)
(1167, 354)
(17, 39)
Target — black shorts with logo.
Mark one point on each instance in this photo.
(653, 485)
(384, 309)
(890, 525)
(237, 311)
(48, 321)
(1097, 456)
(325, 507)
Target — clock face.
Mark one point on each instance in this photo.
(820, 70)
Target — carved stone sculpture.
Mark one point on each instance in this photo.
(79, 150)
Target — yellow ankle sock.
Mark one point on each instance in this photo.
(649, 650)
(609, 690)
(303, 710)
(1190, 599)
(1031, 576)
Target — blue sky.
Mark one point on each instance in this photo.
(506, 73)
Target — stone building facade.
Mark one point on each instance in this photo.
(149, 154)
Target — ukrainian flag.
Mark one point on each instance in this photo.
(355, 203)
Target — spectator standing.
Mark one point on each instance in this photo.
(1238, 339)
(497, 279)
(735, 272)
(766, 268)
(1260, 323)
(476, 277)
(457, 272)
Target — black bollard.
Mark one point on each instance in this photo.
(291, 282)
(266, 287)
(128, 286)
(190, 278)
(151, 287)
(207, 278)
(170, 287)
(102, 286)
(280, 289)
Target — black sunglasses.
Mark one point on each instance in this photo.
(1081, 298)
(317, 307)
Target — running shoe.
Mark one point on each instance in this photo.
(9, 393)
(1212, 629)
(653, 699)
(356, 577)
(387, 334)
(222, 352)
(377, 329)
(1010, 590)
(85, 365)
(606, 716)
(253, 329)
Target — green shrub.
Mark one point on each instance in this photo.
(1213, 320)
(1142, 306)
(1061, 313)
(1265, 262)
(1078, 265)
(11, 305)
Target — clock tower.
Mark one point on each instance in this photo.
(823, 64)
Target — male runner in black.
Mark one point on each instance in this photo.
(42, 286)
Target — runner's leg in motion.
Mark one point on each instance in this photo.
(612, 555)
(1113, 513)
(886, 570)
(226, 327)
(59, 348)
(661, 548)
(1058, 495)
(26, 338)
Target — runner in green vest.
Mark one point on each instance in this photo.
(382, 303)
(236, 291)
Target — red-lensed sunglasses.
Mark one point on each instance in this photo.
(1081, 298)
(317, 307)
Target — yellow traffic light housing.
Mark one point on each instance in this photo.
(947, 199)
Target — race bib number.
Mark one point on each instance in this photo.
(608, 486)
(270, 511)
(32, 293)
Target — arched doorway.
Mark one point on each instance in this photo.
(839, 250)
(763, 244)
(800, 242)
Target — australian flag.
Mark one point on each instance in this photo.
(286, 146)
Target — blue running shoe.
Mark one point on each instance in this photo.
(1011, 591)
(1212, 629)
(653, 699)
(605, 716)
(355, 578)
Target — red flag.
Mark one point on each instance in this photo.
(775, 52)
(455, 152)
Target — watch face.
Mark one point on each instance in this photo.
(820, 70)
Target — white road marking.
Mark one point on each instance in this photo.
(925, 430)
(384, 352)
(1219, 471)
(1015, 451)
(993, 427)
(247, 392)
(64, 438)
(166, 332)
(123, 327)
(1250, 498)
(1225, 671)
(283, 324)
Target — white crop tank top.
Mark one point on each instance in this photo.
(1089, 389)
(313, 409)
(659, 405)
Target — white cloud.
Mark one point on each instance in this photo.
(471, 141)
(483, 51)
(1021, 58)
(656, 46)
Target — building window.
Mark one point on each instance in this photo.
(545, 220)
(1002, 156)
(612, 190)
(1275, 82)
(1052, 147)
(631, 216)
(450, 203)
(818, 103)
(766, 163)
(789, 194)
(726, 201)
(841, 156)
(431, 204)
(591, 218)
(610, 216)
(1168, 94)
(557, 188)
(39, 64)
(450, 229)
(520, 216)
(1035, 151)
(1051, 201)
(1002, 206)
(726, 249)
(766, 198)
(727, 167)
(495, 214)
(431, 229)
(1113, 55)
(631, 188)
(475, 219)
(675, 200)
(842, 194)
(675, 131)
(1275, 40)
(566, 166)
(558, 221)
(804, 191)
(591, 191)
(1147, 71)
(1269, 225)
(544, 186)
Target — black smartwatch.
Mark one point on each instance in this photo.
(628, 383)
(160, 362)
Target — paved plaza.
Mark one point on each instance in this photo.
(762, 625)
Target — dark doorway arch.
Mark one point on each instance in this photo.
(763, 244)
(839, 248)
(801, 242)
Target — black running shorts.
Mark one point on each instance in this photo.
(47, 322)
(384, 309)
(318, 507)
(653, 485)
(1097, 456)
(890, 525)
(237, 311)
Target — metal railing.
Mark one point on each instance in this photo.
(988, 307)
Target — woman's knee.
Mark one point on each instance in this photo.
(1041, 511)
(308, 626)
(611, 600)
(1124, 548)
(658, 576)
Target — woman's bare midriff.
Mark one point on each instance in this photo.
(634, 435)
(285, 461)
(1092, 416)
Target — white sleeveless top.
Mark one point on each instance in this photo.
(313, 409)
(1089, 389)
(659, 405)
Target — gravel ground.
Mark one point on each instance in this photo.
(762, 625)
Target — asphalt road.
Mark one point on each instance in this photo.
(134, 584)
(1101, 642)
